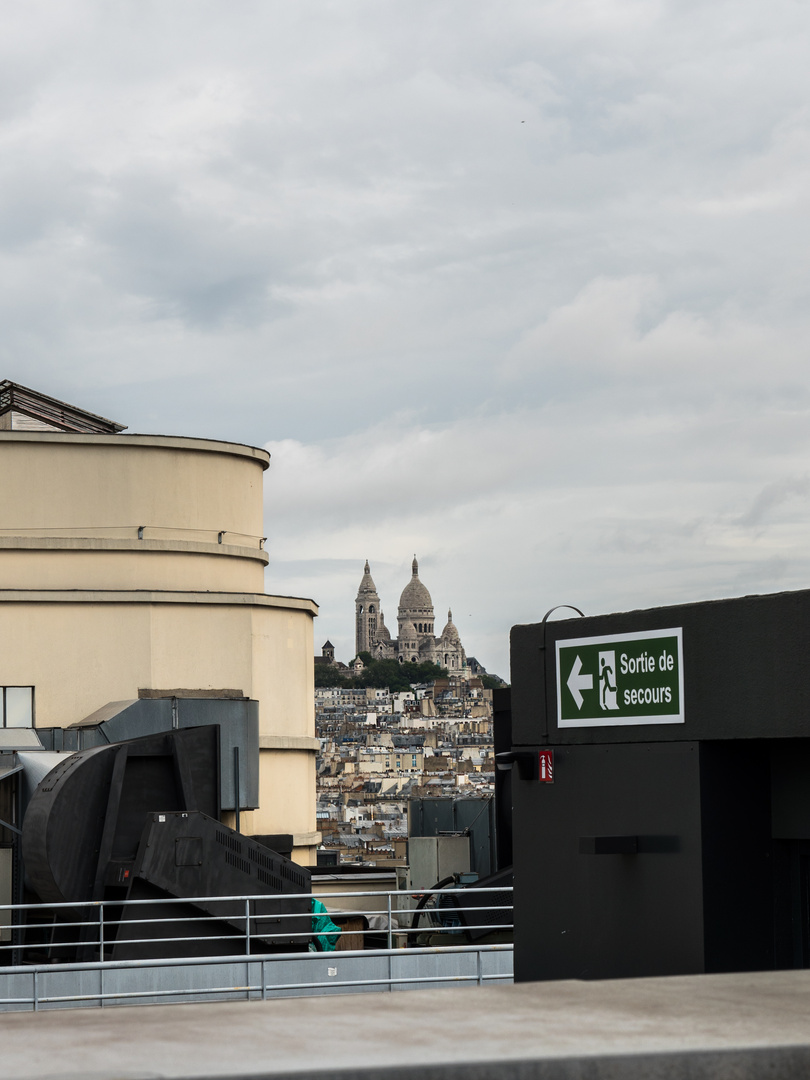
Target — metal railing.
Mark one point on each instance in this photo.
(396, 919)
(259, 977)
(417, 939)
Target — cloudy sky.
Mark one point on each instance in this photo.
(520, 287)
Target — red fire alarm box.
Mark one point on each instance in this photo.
(545, 771)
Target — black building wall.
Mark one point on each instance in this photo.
(669, 848)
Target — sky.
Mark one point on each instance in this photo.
(521, 288)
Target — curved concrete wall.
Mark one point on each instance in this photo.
(88, 501)
(91, 612)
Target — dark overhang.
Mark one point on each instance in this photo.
(48, 410)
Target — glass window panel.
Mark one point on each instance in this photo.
(19, 706)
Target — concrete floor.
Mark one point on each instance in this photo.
(718, 1026)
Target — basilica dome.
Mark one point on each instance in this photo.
(450, 632)
(414, 640)
(415, 596)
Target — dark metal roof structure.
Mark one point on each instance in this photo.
(51, 411)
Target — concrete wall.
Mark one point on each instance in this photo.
(72, 507)
(129, 564)
(90, 613)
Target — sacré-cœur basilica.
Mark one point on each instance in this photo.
(415, 640)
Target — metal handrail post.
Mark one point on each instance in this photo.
(247, 927)
(390, 933)
(36, 991)
(101, 930)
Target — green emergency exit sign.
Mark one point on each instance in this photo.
(620, 679)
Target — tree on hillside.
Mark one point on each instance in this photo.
(326, 675)
(491, 682)
(380, 674)
(396, 676)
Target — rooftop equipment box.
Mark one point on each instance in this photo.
(662, 790)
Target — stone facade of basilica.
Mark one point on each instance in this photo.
(415, 640)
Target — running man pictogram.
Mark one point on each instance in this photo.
(607, 684)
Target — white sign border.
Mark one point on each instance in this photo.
(632, 721)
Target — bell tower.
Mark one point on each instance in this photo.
(367, 613)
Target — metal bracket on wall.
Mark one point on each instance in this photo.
(629, 845)
(608, 845)
(526, 761)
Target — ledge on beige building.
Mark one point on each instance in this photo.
(154, 596)
(120, 441)
(228, 694)
(306, 839)
(17, 542)
(289, 742)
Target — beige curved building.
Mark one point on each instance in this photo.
(135, 564)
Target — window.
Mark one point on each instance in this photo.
(17, 706)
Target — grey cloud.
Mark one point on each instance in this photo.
(522, 288)
(773, 495)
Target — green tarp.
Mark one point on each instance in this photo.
(326, 932)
